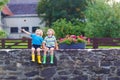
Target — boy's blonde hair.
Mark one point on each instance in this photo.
(53, 32)
(41, 32)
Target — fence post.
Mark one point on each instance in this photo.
(3, 43)
(29, 43)
(95, 43)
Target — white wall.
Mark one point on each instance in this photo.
(21, 21)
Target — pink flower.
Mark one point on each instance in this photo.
(74, 39)
(61, 39)
(88, 40)
(81, 36)
(73, 36)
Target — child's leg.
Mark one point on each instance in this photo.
(44, 56)
(33, 54)
(38, 55)
(51, 55)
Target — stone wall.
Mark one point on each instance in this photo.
(84, 64)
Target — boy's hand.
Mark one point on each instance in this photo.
(23, 30)
(56, 48)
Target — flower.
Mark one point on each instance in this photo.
(71, 39)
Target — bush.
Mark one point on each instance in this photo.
(63, 27)
(2, 34)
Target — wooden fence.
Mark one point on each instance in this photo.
(96, 42)
(25, 43)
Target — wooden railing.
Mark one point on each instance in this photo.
(25, 43)
(96, 42)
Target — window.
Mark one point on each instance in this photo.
(34, 28)
(26, 28)
(14, 29)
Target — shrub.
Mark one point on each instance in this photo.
(63, 27)
(2, 34)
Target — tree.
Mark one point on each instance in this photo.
(2, 3)
(56, 9)
(103, 20)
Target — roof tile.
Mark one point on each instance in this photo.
(23, 8)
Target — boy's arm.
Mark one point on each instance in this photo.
(43, 45)
(26, 31)
(56, 45)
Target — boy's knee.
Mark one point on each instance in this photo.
(33, 49)
(51, 49)
(38, 49)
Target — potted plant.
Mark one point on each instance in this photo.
(73, 42)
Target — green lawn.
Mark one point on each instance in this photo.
(105, 47)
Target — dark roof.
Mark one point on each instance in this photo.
(23, 8)
(23, 1)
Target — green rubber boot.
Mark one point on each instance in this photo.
(51, 59)
(44, 59)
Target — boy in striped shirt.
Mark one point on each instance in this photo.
(49, 43)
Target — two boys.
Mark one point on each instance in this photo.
(49, 43)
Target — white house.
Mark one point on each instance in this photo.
(4, 12)
(24, 16)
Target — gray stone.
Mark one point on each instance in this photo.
(3, 54)
(106, 63)
(39, 78)
(99, 70)
(61, 78)
(10, 68)
(1, 62)
(11, 78)
(65, 72)
(77, 72)
(48, 72)
(118, 72)
(32, 73)
(7, 61)
(117, 62)
(65, 57)
(80, 77)
(114, 78)
(90, 63)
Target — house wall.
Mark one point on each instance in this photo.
(83, 64)
(21, 21)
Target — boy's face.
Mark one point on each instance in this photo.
(49, 32)
(37, 32)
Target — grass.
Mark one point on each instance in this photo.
(110, 47)
(105, 47)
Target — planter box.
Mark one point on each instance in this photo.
(72, 46)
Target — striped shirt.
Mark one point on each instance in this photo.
(50, 41)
